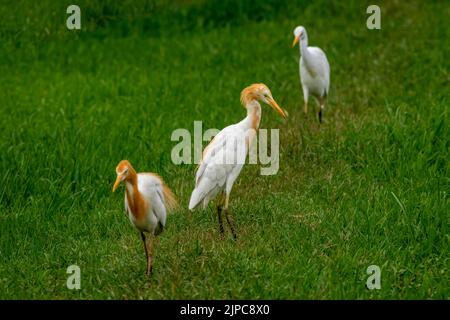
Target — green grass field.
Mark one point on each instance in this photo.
(368, 186)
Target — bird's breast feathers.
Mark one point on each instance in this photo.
(140, 206)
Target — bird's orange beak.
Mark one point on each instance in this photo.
(296, 40)
(118, 181)
(276, 107)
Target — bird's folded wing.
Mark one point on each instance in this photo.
(226, 150)
(151, 188)
(323, 65)
(210, 150)
(158, 208)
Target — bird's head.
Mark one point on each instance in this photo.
(259, 91)
(124, 171)
(299, 35)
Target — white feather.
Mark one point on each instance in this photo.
(314, 68)
(151, 189)
(222, 162)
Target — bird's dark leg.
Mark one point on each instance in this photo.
(150, 255)
(219, 215)
(145, 248)
(230, 223)
(229, 219)
(322, 105)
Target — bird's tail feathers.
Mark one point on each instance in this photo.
(196, 199)
(169, 198)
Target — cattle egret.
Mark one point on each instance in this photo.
(147, 200)
(225, 155)
(314, 70)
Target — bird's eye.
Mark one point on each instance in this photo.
(125, 171)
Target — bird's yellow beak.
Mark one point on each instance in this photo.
(116, 184)
(276, 107)
(296, 40)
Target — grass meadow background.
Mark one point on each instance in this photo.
(368, 186)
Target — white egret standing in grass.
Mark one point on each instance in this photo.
(225, 155)
(314, 70)
(147, 200)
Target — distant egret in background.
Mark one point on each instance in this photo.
(147, 200)
(314, 70)
(225, 155)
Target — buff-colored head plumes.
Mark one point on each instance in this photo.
(259, 91)
(251, 92)
(123, 170)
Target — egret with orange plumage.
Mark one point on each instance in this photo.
(225, 155)
(147, 201)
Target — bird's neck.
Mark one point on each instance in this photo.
(253, 115)
(306, 55)
(135, 200)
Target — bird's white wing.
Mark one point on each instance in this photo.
(216, 144)
(226, 154)
(151, 188)
(321, 62)
(158, 207)
(211, 149)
